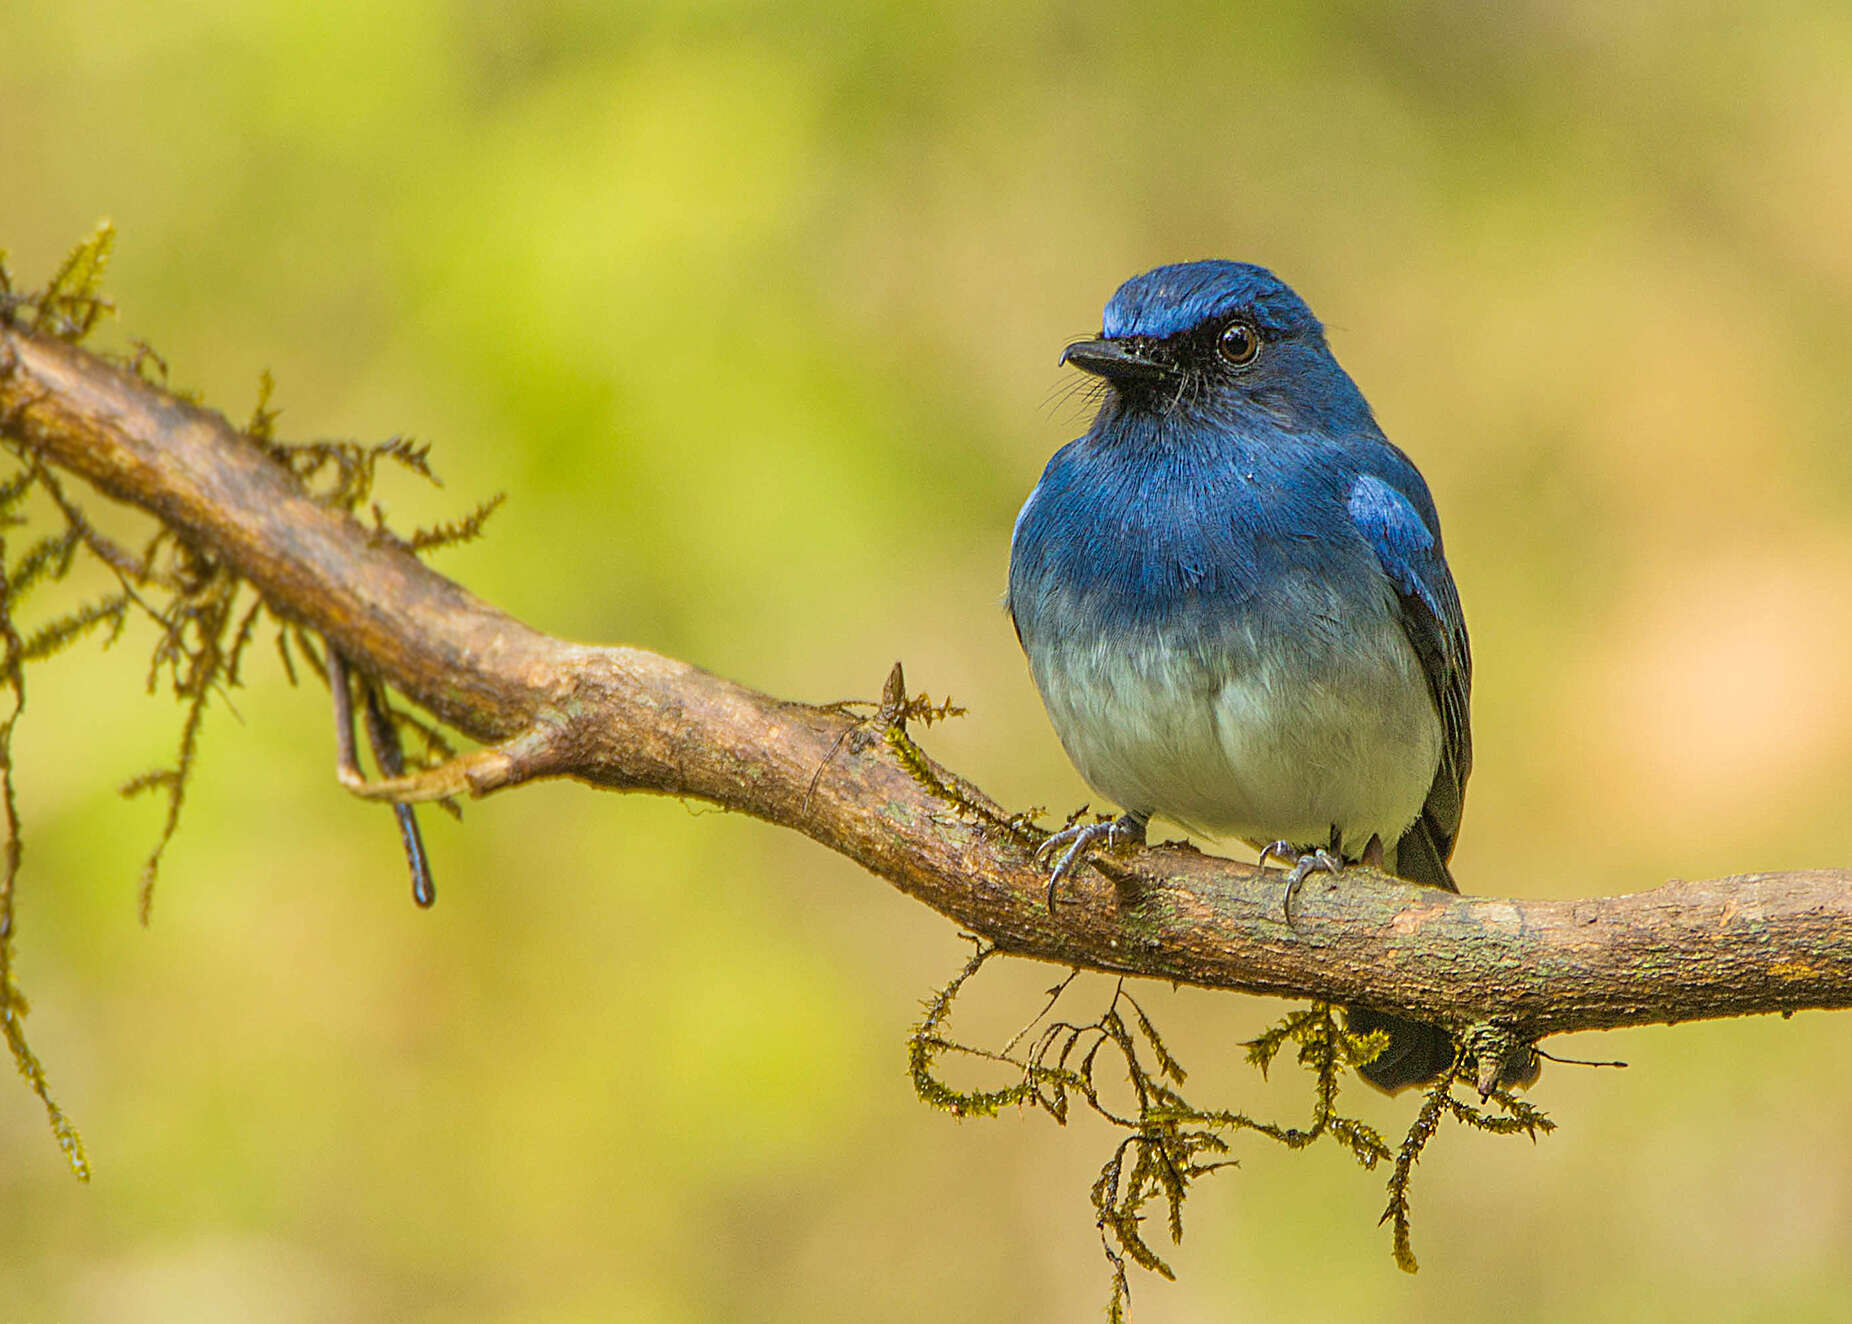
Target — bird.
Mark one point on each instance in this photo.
(1234, 602)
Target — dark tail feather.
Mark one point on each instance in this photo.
(1418, 1052)
(1416, 1055)
(1418, 857)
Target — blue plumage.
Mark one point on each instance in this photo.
(1168, 300)
(1233, 597)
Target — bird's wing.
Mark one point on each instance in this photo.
(1391, 508)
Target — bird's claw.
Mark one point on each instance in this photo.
(1304, 866)
(1079, 839)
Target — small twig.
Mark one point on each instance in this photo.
(387, 753)
(1054, 996)
(1577, 1061)
(346, 752)
(539, 751)
(390, 757)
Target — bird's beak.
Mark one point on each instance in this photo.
(1115, 360)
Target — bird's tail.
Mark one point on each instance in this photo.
(1418, 1052)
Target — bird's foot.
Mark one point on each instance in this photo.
(1079, 839)
(1305, 864)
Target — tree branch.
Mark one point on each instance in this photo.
(629, 719)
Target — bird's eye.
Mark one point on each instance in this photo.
(1239, 343)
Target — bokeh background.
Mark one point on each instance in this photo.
(754, 310)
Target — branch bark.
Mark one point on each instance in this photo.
(629, 719)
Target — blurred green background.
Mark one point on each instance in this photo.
(754, 310)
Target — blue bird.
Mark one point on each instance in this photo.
(1233, 599)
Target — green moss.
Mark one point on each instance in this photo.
(68, 308)
(13, 1005)
(205, 616)
(1052, 1063)
(72, 303)
(1516, 1116)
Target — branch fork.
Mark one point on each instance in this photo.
(539, 751)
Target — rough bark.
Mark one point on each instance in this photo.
(628, 719)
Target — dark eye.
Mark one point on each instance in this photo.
(1239, 343)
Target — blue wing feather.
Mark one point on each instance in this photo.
(1391, 508)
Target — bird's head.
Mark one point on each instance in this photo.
(1224, 341)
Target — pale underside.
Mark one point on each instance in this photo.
(1277, 745)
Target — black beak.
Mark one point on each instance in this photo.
(1115, 360)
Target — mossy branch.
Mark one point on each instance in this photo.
(251, 529)
(634, 720)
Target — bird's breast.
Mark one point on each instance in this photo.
(1266, 738)
(1219, 668)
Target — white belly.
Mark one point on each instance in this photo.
(1280, 745)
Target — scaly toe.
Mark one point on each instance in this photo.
(1317, 861)
(1079, 840)
(1067, 836)
(1277, 850)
